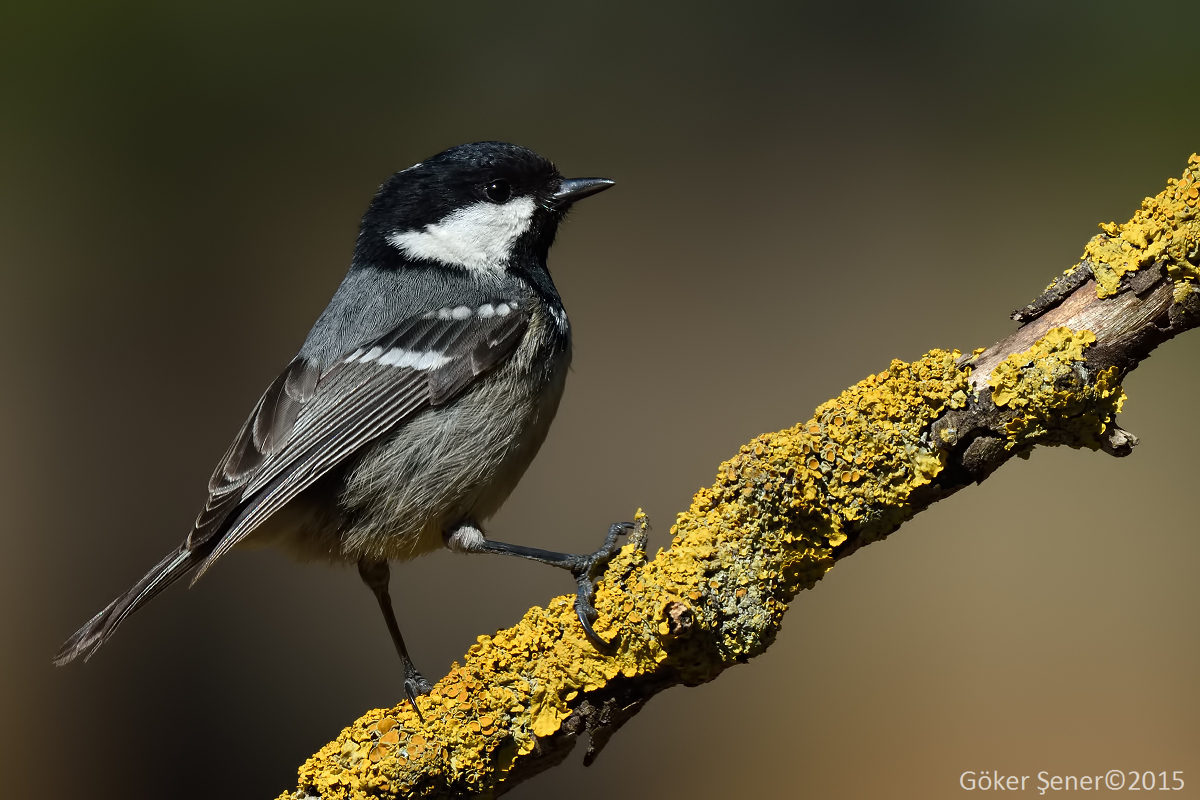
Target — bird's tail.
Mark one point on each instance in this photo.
(99, 628)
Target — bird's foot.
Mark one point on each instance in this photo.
(587, 569)
(415, 685)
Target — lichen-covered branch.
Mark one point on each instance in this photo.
(779, 514)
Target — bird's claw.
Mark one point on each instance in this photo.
(414, 686)
(587, 571)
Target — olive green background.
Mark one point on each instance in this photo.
(804, 192)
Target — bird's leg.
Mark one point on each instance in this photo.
(587, 569)
(376, 575)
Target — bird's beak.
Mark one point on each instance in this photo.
(572, 189)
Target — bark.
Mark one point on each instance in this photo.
(779, 514)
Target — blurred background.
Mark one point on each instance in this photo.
(805, 191)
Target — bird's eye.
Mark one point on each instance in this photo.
(498, 191)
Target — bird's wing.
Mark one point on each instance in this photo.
(307, 422)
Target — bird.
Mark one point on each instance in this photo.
(417, 400)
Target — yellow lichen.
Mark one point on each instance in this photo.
(762, 532)
(1059, 345)
(1166, 228)
(1182, 290)
(765, 530)
(1056, 400)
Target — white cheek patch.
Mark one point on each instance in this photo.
(480, 236)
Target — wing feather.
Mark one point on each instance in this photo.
(309, 421)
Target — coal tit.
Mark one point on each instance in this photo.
(418, 399)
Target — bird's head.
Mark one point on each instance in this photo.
(485, 206)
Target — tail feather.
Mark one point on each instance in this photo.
(99, 628)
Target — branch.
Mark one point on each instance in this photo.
(780, 513)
